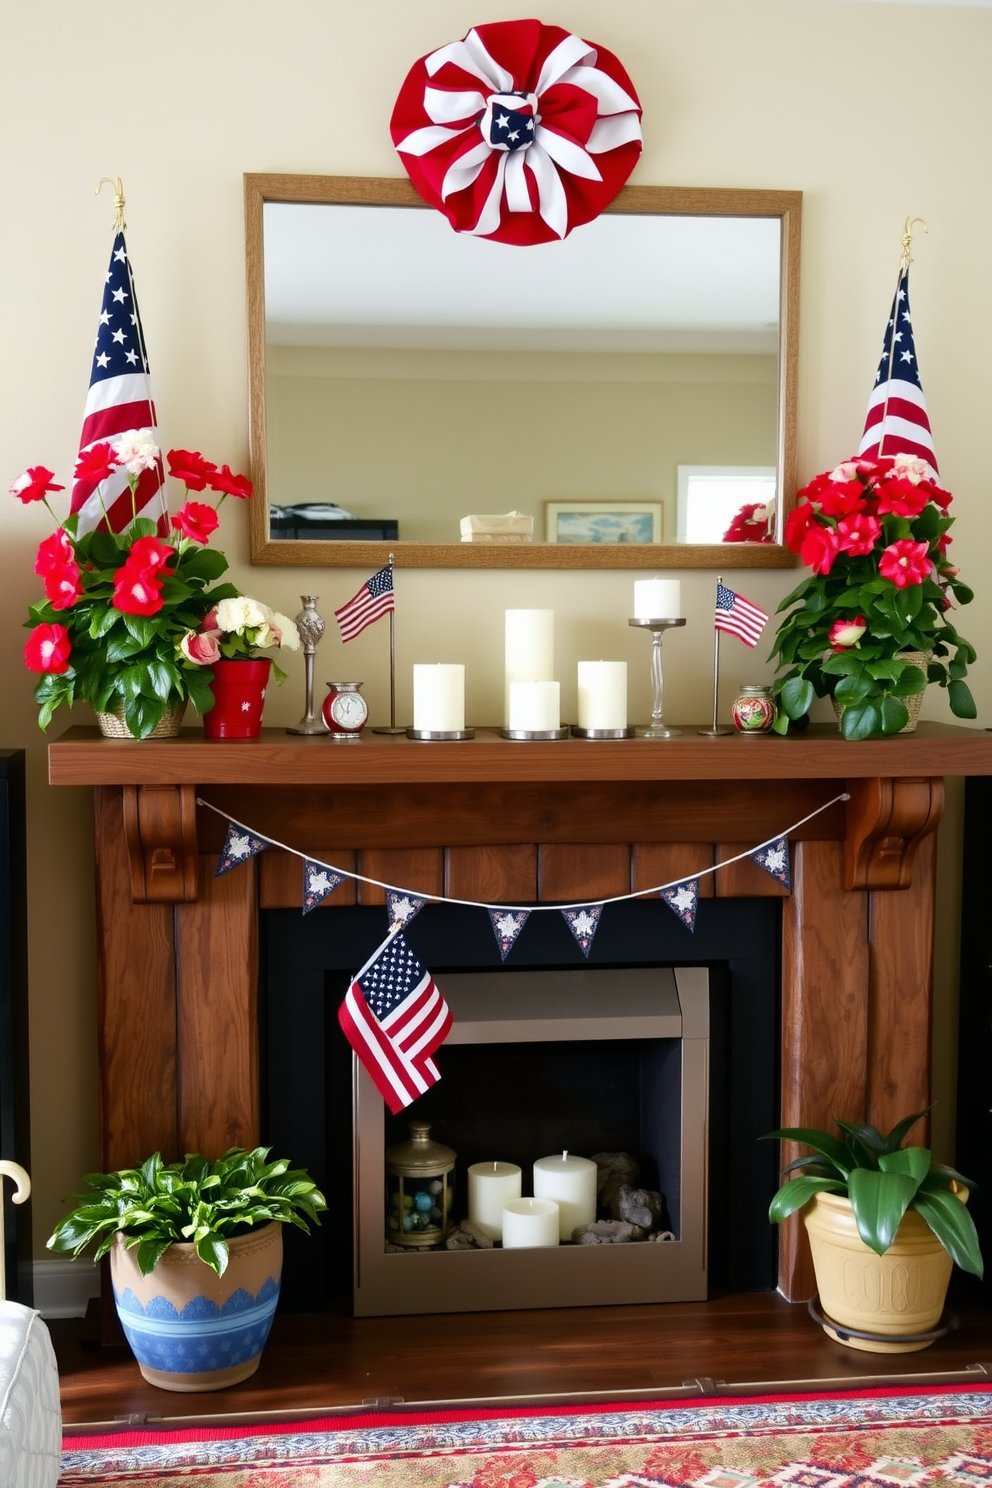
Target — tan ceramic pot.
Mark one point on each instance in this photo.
(896, 1293)
(191, 1329)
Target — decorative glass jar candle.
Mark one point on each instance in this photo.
(754, 711)
(420, 1181)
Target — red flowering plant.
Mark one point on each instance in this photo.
(117, 605)
(876, 535)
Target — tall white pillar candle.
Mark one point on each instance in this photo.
(535, 706)
(530, 649)
(490, 1186)
(657, 599)
(530, 1224)
(571, 1182)
(439, 697)
(603, 694)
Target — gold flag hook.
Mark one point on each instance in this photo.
(118, 189)
(906, 257)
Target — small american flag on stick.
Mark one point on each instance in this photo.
(739, 616)
(374, 599)
(897, 421)
(394, 1018)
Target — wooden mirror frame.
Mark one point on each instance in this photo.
(648, 200)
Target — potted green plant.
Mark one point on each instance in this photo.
(871, 625)
(885, 1224)
(195, 1257)
(118, 604)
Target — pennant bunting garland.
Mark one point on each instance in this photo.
(507, 925)
(239, 846)
(402, 908)
(318, 882)
(583, 924)
(775, 860)
(394, 1017)
(683, 899)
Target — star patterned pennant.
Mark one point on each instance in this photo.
(507, 925)
(239, 846)
(683, 899)
(401, 908)
(583, 924)
(774, 858)
(318, 882)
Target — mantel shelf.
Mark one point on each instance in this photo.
(82, 757)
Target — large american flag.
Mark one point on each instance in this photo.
(897, 421)
(375, 598)
(394, 1018)
(119, 399)
(739, 615)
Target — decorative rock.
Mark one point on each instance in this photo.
(607, 1232)
(639, 1206)
(468, 1237)
(615, 1170)
(662, 1237)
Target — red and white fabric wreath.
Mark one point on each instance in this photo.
(518, 133)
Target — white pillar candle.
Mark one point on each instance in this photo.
(529, 1224)
(439, 697)
(571, 1182)
(535, 706)
(490, 1186)
(530, 649)
(657, 599)
(603, 694)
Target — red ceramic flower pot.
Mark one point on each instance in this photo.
(239, 695)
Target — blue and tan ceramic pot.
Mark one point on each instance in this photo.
(191, 1329)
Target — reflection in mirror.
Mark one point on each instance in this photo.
(413, 378)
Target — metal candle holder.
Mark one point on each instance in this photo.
(584, 733)
(311, 628)
(438, 736)
(541, 734)
(657, 729)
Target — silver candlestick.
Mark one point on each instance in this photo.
(311, 628)
(657, 729)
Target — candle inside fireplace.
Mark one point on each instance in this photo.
(439, 698)
(530, 1224)
(657, 599)
(603, 694)
(490, 1186)
(535, 706)
(571, 1182)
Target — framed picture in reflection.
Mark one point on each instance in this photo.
(603, 522)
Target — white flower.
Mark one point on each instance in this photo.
(911, 468)
(137, 450)
(21, 484)
(290, 636)
(239, 613)
(846, 472)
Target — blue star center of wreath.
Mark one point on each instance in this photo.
(509, 122)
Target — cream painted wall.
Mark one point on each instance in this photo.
(874, 111)
(582, 427)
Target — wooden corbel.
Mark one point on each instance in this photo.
(887, 819)
(160, 830)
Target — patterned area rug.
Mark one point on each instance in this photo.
(918, 1438)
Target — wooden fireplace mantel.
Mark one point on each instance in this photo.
(501, 821)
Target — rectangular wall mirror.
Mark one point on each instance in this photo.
(404, 377)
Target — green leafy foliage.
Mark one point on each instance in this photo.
(197, 1201)
(883, 1179)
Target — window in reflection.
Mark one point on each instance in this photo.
(726, 503)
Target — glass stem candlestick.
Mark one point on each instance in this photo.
(657, 729)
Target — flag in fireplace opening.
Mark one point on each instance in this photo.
(394, 1017)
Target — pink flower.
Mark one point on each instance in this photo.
(137, 593)
(200, 648)
(858, 534)
(845, 633)
(96, 463)
(34, 484)
(196, 520)
(54, 552)
(230, 484)
(191, 468)
(63, 586)
(819, 549)
(148, 554)
(905, 563)
(48, 649)
(210, 625)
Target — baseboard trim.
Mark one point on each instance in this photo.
(62, 1289)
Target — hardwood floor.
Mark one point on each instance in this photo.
(336, 1362)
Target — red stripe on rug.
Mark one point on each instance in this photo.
(363, 1420)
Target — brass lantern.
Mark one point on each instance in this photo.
(420, 1180)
